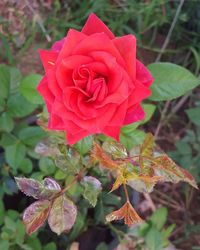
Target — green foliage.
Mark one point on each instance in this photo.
(28, 88)
(171, 81)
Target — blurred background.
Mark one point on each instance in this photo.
(166, 30)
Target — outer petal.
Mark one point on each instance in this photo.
(45, 92)
(57, 46)
(73, 38)
(142, 74)
(55, 123)
(127, 48)
(48, 58)
(73, 138)
(113, 132)
(95, 25)
(136, 114)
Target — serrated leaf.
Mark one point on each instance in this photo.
(35, 215)
(15, 154)
(177, 83)
(132, 139)
(147, 146)
(144, 183)
(84, 145)
(99, 155)
(126, 212)
(6, 122)
(92, 188)
(168, 169)
(62, 215)
(116, 149)
(18, 106)
(28, 88)
(46, 189)
(159, 217)
(31, 135)
(194, 115)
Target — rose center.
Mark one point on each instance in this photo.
(91, 83)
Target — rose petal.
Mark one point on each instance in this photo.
(48, 58)
(43, 89)
(73, 38)
(138, 94)
(57, 46)
(73, 138)
(55, 122)
(142, 74)
(134, 115)
(127, 48)
(95, 25)
(53, 84)
(113, 132)
(98, 42)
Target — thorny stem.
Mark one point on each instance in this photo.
(75, 179)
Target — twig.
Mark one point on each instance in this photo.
(150, 201)
(160, 123)
(40, 23)
(170, 30)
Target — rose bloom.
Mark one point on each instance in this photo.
(93, 82)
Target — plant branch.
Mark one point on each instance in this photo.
(166, 42)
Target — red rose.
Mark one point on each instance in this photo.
(93, 82)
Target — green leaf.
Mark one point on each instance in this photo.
(35, 215)
(28, 88)
(2, 212)
(18, 106)
(2, 104)
(194, 115)
(102, 246)
(62, 215)
(4, 245)
(132, 139)
(6, 122)
(84, 145)
(92, 188)
(15, 154)
(170, 81)
(46, 189)
(159, 217)
(4, 81)
(50, 246)
(26, 166)
(47, 166)
(7, 140)
(31, 135)
(15, 77)
(78, 227)
(154, 239)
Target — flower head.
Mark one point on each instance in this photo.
(93, 82)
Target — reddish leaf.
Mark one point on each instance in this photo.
(35, 215)
(126, 212)
(116, 149)
(147, 147)
(99, 155)
(46, 189)
(168, 169)
(62, 215)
